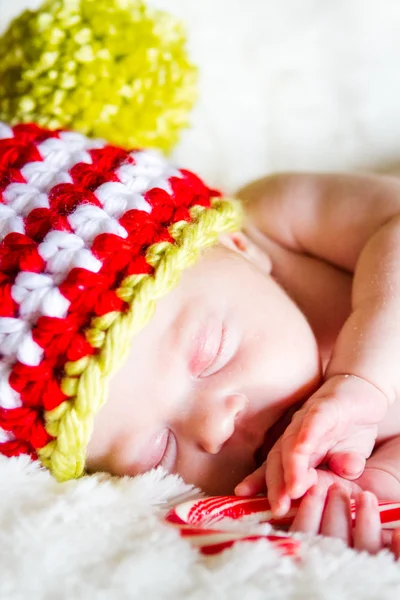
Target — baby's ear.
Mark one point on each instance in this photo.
(239, 242)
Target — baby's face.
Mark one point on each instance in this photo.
(224, 356)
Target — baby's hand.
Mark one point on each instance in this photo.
(330, 514)
(337, 426)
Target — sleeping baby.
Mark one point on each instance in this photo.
(282, 356)
(145, 322)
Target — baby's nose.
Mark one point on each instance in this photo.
(217, 424)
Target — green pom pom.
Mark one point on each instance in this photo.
(114, 69)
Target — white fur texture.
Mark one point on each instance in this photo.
(102, 538)
(294, 84)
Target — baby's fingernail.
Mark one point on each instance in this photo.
(296, 491)
(368, 499)
(282, 507)
(339, 490)
(242, 489)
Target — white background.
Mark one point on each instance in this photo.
(288, 84)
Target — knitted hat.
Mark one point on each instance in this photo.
(91, 235)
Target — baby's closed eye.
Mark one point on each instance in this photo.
(159, 451)
(214, 347)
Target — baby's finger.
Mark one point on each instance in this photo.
(309, 514)
(296, 465)
(277, 496)
(252, 484)
(336, 520)
(368, 528)
(349, 465)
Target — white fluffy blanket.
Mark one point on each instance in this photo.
(102, 538)
(294, 84)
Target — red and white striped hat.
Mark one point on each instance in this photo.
(91, 235)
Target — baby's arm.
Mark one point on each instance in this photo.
(354, 223)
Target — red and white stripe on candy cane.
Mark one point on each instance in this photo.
(201, 522)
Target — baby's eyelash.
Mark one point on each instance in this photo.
(224, 339)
